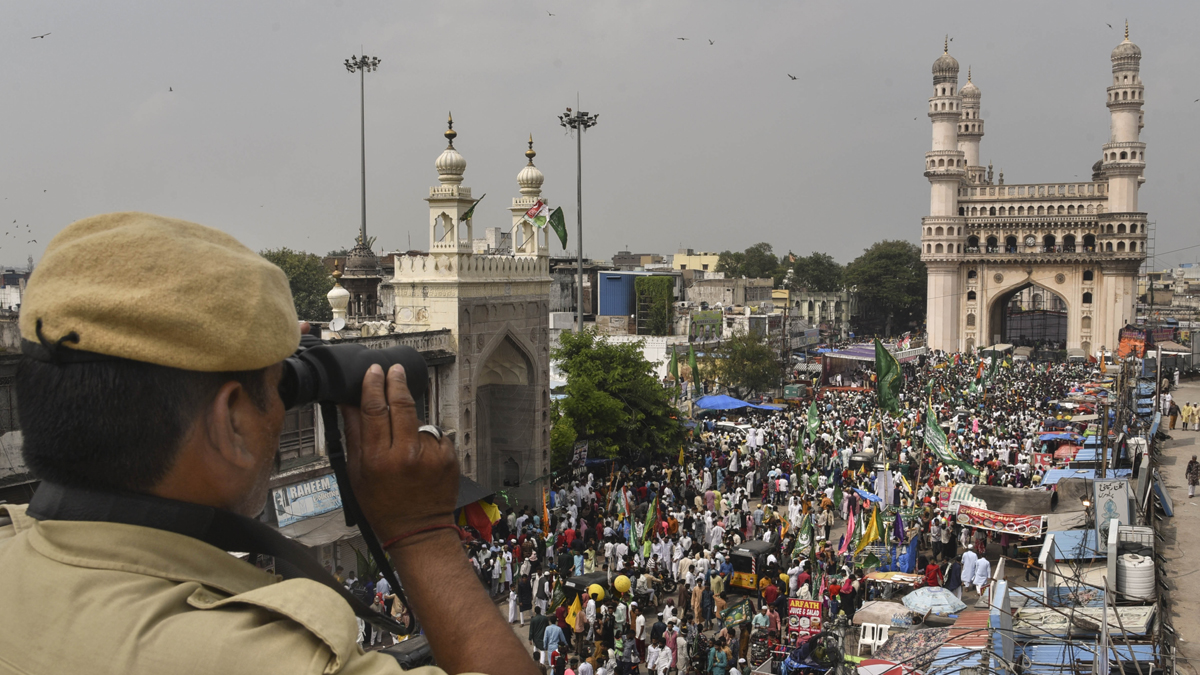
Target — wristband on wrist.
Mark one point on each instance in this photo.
(397, 539)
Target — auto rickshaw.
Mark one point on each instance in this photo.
(749, 560)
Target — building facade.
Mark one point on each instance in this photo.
(496, 397)
(1078, 245)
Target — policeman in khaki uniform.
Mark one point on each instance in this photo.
(153, 350)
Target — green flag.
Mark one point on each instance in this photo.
(935, 439)
(814, 421)
(471, 211)
(651, 517)
(695, 368)
(837, 495)
(559, 225)
(674, 367)
(994, 368)
(804, 535)
(888, 379)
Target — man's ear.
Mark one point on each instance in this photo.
(229, 421)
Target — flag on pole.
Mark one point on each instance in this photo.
(695, 368)
(559, 225)
(681, 455)
(837, 495)
(871, 533)
(888, 378)
(537, 214)
(814, 421)
(804, 535)
(674, 367)
(573, 612)
(935, 439)
(994, 368)
(471, 211)
(545, 512)
(849, 534)
(1103, 367)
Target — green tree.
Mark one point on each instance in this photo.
(814, 272)
(745, 363)
(889, 279)
(309, 280)
(761, 262)
(732, 264)
(756, 262)
(613, 400)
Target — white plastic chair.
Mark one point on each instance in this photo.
(866, 637)
(881, 637)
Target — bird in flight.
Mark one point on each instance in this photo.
(791, 76)
(711, 42)
(31, 241)
(548, 12)
(170, 88)
(1192, 102)
(682, 38)
(39, 37)
(1109, 25)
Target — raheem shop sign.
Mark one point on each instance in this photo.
(314, 497)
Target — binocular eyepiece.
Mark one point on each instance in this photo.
(321, 372)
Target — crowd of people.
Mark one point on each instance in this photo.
(787, 478)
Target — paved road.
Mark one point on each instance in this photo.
(1182, 533)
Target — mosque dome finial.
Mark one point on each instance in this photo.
(969, 89)
(530, 178)
(450, 165)
(945, 68)
(1126, 53)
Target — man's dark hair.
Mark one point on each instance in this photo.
(113, 424)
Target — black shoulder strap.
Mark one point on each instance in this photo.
(225, 530)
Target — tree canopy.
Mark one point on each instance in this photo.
(309, 280)
(613, 400)
(756, 262)
(890, 282)
(814, 272)
(745, 363)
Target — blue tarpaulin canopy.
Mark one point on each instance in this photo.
(729, 403)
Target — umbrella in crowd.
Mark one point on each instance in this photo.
(933, 599)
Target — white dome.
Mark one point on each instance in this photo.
(450, 165)
(530, 180)
(339, 298)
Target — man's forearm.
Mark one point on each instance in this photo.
(464, 629)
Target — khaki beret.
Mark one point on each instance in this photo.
(162, 291)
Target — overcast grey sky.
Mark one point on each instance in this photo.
(705, 146)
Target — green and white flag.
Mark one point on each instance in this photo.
(559, 225)
(804, 535)
(888, 378)
(935, 439)
(814, 422)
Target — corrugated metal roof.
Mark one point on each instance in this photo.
(966, 631)
(951, 660)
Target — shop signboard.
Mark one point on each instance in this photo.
(1111, 500)
(803, 619)
(1024, 526)
(294, 503)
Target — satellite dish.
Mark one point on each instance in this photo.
(337, 324)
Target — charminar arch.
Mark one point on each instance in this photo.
(998, 255)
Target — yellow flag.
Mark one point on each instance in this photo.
(871, 533)
(681, 455)
(1103, 366)
(573, 612)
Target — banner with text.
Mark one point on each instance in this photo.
(1025, 526)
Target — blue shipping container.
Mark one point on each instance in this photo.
(616, 293)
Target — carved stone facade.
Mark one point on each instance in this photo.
(496, 397)
(985, 242)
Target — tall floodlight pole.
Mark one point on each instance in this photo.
(362, 65)
(578, 122)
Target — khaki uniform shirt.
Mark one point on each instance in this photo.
(98, 598)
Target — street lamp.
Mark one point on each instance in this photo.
(363, 65)
(579, 122)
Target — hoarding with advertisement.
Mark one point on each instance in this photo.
(304, 500)
(1025, 526)
(803, 619)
